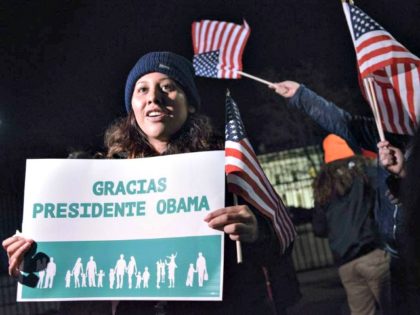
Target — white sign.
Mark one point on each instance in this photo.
(126, 229)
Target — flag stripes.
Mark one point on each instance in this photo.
(228, 39)
(395, 109)
(246, 178)
(377, 49)
(394, 70)
(241, 188)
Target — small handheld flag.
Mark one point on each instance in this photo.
(390, 73)
(218, 49)
(246, 178)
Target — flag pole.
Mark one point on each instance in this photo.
(238, 243)
(239, 258)
(368, 83)
(254, 78)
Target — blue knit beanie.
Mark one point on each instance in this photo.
(175, 66)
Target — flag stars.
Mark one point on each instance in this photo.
(206, 64)
(362, 23)
(235, 130)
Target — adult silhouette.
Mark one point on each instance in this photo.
(120, 269)
(91, 272)
(77, 270)
(201, 268)
(171, 270)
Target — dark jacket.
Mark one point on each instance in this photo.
(348, 222)
(359, 132)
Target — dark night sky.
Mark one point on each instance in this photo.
(63, 64)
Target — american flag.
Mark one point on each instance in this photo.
(218, 48)
(393, 69)
(246, 178)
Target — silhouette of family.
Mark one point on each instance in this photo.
(89, 276)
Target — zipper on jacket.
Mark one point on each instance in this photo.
(394, 228)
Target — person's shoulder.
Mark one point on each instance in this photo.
(85, 154)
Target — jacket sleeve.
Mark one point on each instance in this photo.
(319, 222)
(358, 131)
(267, 239)
(265, 254)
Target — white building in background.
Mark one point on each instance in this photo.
(291, 173)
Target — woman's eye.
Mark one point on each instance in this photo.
(142, 90)
(167, 87)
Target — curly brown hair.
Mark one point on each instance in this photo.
(335, 178)
(124, 138)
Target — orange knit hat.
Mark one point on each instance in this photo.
(335, 148)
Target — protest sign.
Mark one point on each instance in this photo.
(125, 229)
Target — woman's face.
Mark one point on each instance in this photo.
(160, 107)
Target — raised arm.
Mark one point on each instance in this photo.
(358, 131)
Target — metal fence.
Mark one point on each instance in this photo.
(291, 173)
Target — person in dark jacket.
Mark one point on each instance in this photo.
(162, 104)
(404, 188)
(360, 133)
(344, 203)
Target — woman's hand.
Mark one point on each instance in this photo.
(16, 247)
(391, 158)
(286, 88)
(237, 221)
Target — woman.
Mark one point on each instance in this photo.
(162, 102)
(77, 270)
